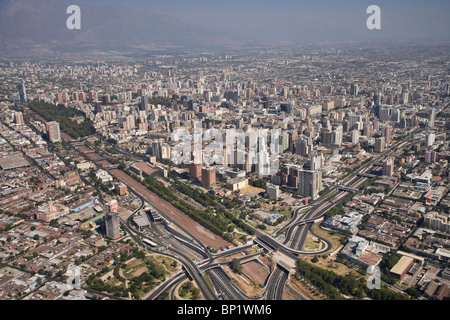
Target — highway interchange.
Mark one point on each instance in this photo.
(289, 241)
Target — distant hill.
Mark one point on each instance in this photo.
(40, 26)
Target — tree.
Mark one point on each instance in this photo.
(195, 293)
(236, 266)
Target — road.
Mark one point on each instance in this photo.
(182, 247)
(277, 280)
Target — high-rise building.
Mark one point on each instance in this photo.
(336, 135)
(93, 95)
(376, 126)
(326, 136)
(367, 129)
(303, 146)
(355, 136)
(129, 123)
(380, 144)
(144, 103)
(352, 120)
(309, 183)
(195, 171)
(106, 99)
(354, 89)
(53, 131)
(112, 222)
(395, 115)
(385, 114)
(208, 177)
(430, 139)
(432, 118)
(22, 92)
(18, 117)
(317, 161)
(430, 156)
(388, 167)
(386, 132)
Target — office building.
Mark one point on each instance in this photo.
(385, 114)
(195, 171)
(354, 89)
(317, 161)
(355, 136)
(22, 92)
(386, 132)
(208, 177)
(430, 138)
(388, 167)
(380, 144)
(367, 129)
(144, 104)
(432, 118)
(309, 183)
(273, 192)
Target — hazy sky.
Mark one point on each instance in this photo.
(304, 20)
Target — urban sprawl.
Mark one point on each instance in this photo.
(306, 173)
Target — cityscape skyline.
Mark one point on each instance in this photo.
(236, 152)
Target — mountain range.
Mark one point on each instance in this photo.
(39, 26)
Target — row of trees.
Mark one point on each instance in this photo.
(214, 222)
(334, 286)
(210, 200)
(62, 115)
(215, 218)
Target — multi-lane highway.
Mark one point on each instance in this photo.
(196, 259)
(277, 281)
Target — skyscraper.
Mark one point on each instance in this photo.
(432, 118)
(388, 167)
(22, 92)
(354, 89)
(355, 136)
(430, 139)
(379, 144)
(385, 114)
(309, 183)
(144, 103)
(386, 132)
(112, 220)
(367, 129)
